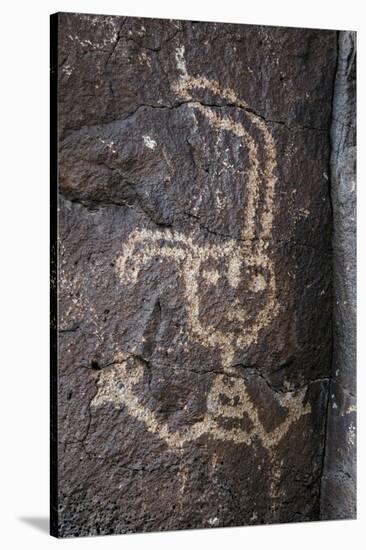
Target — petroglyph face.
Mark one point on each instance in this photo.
(243, 285)
(228, 268)
(241, 277)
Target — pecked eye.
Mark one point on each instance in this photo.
(252, 279)
(211, 276)
(257, 283)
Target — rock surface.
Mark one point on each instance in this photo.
(339, 480)
(194, 274)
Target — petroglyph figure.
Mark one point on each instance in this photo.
(246, 257)
(117, 385)
(237, 258)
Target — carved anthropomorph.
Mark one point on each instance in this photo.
(242, 265)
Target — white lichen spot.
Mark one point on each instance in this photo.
(181, 63)
(220, 200)
(351, 435)
(214, 522)
(108, 144)
(67, 69)
(149, 142)
(303, 212)
(351, 409)
(144, 59)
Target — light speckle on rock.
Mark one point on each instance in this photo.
(149, 142)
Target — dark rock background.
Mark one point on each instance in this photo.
(158, 427)
(339, 479)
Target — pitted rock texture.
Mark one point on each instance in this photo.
(339, 480)
(194, 273)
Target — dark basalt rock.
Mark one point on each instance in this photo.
(339, 479)
(194, 273)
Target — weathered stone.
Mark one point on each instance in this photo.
(195, 268)
(339, 480)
